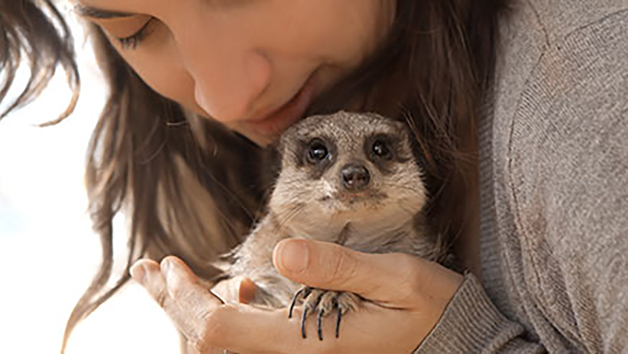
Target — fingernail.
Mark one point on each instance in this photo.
(138, 272)
(293, 255)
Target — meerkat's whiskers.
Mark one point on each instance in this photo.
(347, 178)
(405, 188)
(408, 211)
(290, 214)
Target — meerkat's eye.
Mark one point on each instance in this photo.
(317, 151)
(381, 149)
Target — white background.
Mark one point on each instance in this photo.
(48, 253)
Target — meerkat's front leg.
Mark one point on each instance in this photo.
(323, 303)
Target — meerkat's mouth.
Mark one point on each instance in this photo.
(368, 197)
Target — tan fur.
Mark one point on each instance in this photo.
(386, 217)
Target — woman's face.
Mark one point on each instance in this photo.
(253, 65)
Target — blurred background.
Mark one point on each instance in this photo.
(48, 252)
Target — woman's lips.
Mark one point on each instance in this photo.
(288, 114)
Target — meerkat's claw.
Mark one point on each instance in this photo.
(323, 303)
(319, 323)
(304, 292)
(303, 318)
(338, 317)
(312, 298)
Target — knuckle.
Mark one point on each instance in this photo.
(161, 296)
(198, 344)
(411, 276)
(343, 267)
(215, 329)
(182, 293)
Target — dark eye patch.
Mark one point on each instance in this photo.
(381, 147)
(317, 155)
(382, 150)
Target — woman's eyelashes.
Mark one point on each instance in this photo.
(132, 41)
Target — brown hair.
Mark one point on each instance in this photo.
(189, 186)
(40, 33)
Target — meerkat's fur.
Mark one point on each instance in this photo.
(346, 178)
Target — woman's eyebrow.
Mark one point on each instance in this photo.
(93, 12)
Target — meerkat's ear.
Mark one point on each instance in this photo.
(423, 159)
(271, 167)
(272, 159)
(400, 124)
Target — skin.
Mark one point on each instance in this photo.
(408, 296)
(239, 62)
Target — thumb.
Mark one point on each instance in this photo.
(396, 279)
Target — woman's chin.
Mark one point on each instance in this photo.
(256, 137)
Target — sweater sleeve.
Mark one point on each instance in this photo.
(472, 324)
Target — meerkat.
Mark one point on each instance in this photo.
(346, 178)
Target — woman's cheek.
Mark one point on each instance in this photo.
(176, 85)
(164, 74)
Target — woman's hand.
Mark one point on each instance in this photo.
(407, 297)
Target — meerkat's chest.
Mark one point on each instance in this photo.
(358, 233)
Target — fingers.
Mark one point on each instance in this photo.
(236, 290)
(204, 320)
(183, 285)
(398, 280)
(177, 290)
(209, 324)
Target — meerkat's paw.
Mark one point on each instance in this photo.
(323, 303)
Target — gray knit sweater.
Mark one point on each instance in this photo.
(554, 189)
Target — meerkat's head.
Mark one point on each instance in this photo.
(347, 167)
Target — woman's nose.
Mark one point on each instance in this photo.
(228, 91)
(229, 74)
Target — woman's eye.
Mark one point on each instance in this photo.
(381, 149)
(132, 41)
(129, 42)
(317, 152)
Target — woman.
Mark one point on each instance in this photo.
(539, 91)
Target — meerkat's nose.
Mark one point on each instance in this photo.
(354, 177)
